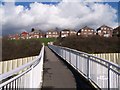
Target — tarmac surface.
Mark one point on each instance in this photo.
(58, 75)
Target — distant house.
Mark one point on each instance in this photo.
(64, 33)
(24, 35)
(36, 34)
(14, 37)
(72, 32)
(52, 34)
(85, 31)
(116, 31)
(67, 32)
(105, 31)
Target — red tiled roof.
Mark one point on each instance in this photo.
(24, 33)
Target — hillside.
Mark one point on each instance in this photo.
(12, 49)
(94, 44)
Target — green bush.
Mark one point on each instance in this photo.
(93, 44)
(46, 40)
(12, 49)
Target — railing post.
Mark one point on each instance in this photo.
(62, 52)
(76, 61)
(65, 54)
(88, 72)
(31, 77)
(70, 56)
(108, 76)
(93, 60)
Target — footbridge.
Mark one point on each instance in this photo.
(64, 68)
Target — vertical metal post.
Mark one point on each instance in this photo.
(18, 83)
(65, 54)
(76, 61)
(108, 76)
(14, 84)
(88, 72)
(9, 86)
(70, 56)
(3, 88)
(6, 87)
(31, 77)
(62, 52)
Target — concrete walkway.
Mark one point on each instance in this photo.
(56, 74)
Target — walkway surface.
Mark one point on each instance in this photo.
(58, 75)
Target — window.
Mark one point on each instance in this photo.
(104, 31)
(62, 31)
(78, 33)
(106, 35)
(89, 33)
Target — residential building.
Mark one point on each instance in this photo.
(67, 32)
(105, 31)
(52, 34)
(64, 33)
(24, 35)
(72, 32)
(14, 37)
(116, 31)
(36, 34)
(85, 31)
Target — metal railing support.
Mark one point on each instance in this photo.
(108, 76)
(69, 57)
(100, 71)
(76, 62)
(88, 72)
(24, 76)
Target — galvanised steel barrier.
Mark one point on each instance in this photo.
(99, 72)
(26, 76)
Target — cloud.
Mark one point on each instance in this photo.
(74, 15)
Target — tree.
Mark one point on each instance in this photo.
(32, 30)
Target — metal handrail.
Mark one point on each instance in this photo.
(113, 70)
(24, 68)
(80, 52)
(16, 70)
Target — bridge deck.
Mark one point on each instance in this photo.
(57, 74)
